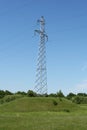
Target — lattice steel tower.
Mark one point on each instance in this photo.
(41, 72)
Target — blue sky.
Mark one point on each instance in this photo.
(66, 26)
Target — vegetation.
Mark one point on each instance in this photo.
(31, 93)
(33, 104)
(29, 110)
(7, 96)
(70, 96)
(36, 113)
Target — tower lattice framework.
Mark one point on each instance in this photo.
(41, 72)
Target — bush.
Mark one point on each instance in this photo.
(66, 110)
(30, 93)
(80, 100)
(55, 102)
(9, 98)
(60, 98)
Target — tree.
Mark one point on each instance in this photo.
(2, 93)
(60, 94)
(82, 94)
(70, 95)
(77, 99)
(21, 93)
(8, 92)
(30, 93)
(52, 95)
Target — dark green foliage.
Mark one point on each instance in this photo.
(77, 99)
(60, 94)
(66, 110)
(9, 98)
(80, 100)
(8, 92)
(2, 93)
(55, 102)
(70, 96)
(60, 98)
(31, 93)
(84, 100)
(52, 95)
(82, 94)
(21, 93)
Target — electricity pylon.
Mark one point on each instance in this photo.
(41, 72)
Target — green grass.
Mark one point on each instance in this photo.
(42, 121)
(37, 104)
(41, 114)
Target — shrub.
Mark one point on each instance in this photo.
(30, 93)
(60, 98)
(66, 110)
(55, 102)
(78, 99)
(9, 98)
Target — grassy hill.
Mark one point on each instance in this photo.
(37, 104)
(42, 113)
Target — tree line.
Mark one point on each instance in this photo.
(76, 98)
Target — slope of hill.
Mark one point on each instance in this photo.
(37, 104)
(42, 113)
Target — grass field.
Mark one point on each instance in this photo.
(41, 114)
